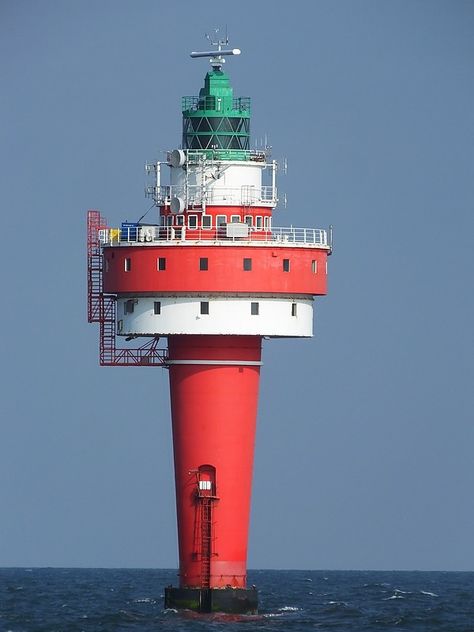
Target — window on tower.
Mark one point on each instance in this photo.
(204, 307)
(161, 264)
(129, 306)
(247, 264)
(314, 266)
(203, 263)
(157, 307)
(293, 309)
(192, 222)
(254, 309)
(207, 222)
(286, 265)
(128, 264)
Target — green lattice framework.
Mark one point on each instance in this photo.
(215, 121)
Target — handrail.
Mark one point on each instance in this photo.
(182, 236)
(197, 194)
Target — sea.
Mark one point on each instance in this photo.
(116, 600)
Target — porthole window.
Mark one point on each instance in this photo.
(161, 264)
(254, 309)
(204, 307)
(286, 265)
(203, 263)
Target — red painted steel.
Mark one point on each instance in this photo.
(225, 271)
(214, 411)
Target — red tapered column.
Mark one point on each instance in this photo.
(214, 395)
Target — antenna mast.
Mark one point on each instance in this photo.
(217, 56)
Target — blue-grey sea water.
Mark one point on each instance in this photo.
(115, 600)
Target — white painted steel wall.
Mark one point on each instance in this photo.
(227, 315)
(229, 183)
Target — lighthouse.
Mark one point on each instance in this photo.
(195, 289)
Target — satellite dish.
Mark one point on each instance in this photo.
(177, 158)
(177, 205)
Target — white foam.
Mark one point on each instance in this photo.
(430, 594)
(289, 609)
(145, 600)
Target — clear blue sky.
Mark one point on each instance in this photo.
(364, 456)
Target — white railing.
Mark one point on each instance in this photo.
(182, 236)
(196, 195)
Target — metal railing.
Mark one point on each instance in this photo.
(196, 195)
(211, 102)
(182, 236)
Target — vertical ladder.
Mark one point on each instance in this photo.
(206, 534)
(95, 222)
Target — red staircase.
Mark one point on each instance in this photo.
(101, 308)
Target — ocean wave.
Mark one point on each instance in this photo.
(430, 594)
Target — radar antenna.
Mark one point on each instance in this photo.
(217, 56)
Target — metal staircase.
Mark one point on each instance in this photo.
(101, 308)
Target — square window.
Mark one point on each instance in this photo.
(314, 266)
(204, 307)
(293, 309)
(235, 219)
(161, 263)
(207, 222)
(247, 264)
(179, 220)
(248, 220)
(192, 222)
(286, 265)
(129, 306)
(203, 263)
(254, 309)
(157, 307)
(259, 220)
(128, 264)
(266, 223)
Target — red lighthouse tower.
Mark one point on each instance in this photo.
(213, 276)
